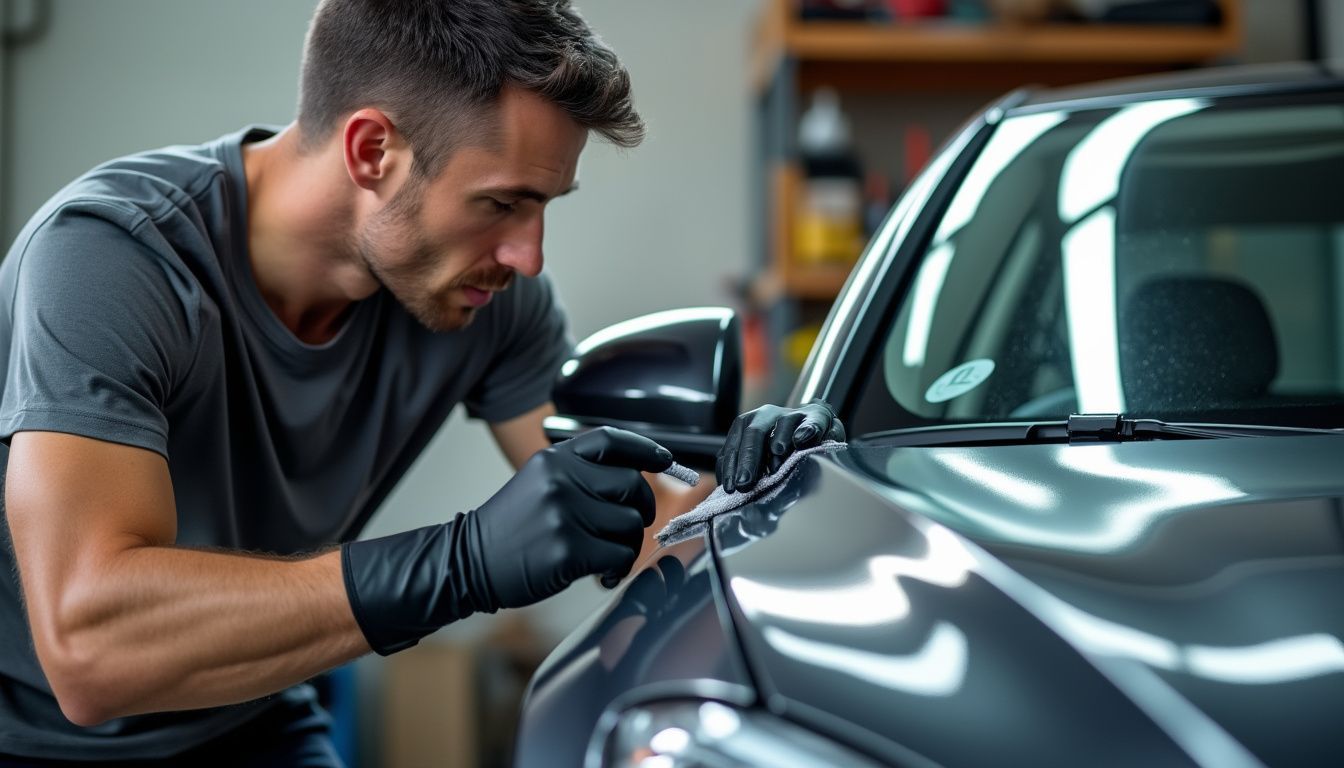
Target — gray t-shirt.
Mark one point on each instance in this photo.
(128, 313)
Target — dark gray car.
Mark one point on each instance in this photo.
(1092, 508)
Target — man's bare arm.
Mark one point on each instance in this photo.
(522, 436)
(124, 622)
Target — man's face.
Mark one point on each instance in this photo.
(445, 246)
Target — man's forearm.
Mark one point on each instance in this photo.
(153, 629)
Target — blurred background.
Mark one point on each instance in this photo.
(780, 133)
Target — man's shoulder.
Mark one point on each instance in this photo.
(151, 184)
(182, 189)
(181, 167)
(154, 182)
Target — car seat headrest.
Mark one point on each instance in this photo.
(1195, 342)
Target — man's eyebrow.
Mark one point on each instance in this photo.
(528, 193)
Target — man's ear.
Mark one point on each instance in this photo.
(374, 151)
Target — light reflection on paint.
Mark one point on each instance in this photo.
(1277, 661)
(1019, 489)
(1172, 490)
(685, 394)
(878, 599)
(863, 604)
(1284, 660)
(562, 423)
(1107, 638)
(648, 323)
(936, 669)
(670, 741)
(718, 721)
(1108, 526)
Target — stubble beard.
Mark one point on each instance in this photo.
(409, 281)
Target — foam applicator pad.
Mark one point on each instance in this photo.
(720, 501)
(684, 474)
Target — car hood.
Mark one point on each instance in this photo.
(1139, 603)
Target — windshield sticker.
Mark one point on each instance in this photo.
(959, 381)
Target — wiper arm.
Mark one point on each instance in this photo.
(1080, 428)
(1111, 427)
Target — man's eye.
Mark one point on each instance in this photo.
(502, 207)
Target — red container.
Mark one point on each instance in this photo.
(917, 9)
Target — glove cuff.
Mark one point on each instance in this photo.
(381, 646)
(487, 598)
(405, 586)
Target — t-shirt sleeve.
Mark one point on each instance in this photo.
(100, 330)
(523, 372)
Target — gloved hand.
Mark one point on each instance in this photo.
(577, 508)
(761, 440)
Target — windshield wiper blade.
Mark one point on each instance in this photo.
(1111, 427)
(1080, 428)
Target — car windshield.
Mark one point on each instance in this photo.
(1180, 259)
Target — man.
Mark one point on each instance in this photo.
(219, 359)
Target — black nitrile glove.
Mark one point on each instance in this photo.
(575, 509)
(761, 440)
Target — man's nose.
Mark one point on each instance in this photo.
(521, 249)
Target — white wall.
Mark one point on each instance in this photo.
(114, 77)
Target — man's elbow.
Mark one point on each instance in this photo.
(83, 711)
(81, 678)
(78, 695)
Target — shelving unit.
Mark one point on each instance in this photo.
(914, 62)
(920, 48)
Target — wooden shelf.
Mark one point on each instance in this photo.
(928, 58)
(818, 282)
(1136, 47)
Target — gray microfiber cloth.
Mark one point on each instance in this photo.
(720, 501)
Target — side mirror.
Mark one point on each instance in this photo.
(675, 377)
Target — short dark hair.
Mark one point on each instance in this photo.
(437, 68)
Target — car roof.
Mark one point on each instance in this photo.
(1286, 77)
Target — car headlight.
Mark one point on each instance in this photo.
(709, 734)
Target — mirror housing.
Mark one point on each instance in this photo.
(675, 377)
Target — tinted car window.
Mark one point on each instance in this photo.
(1174, 259)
